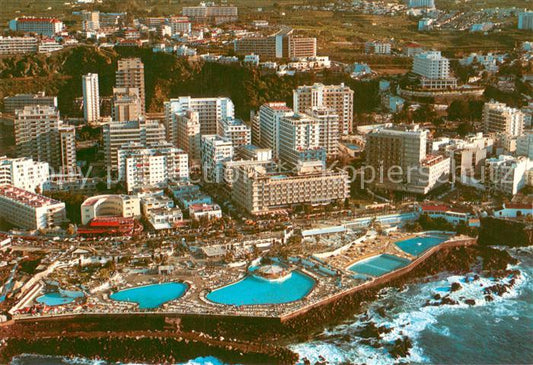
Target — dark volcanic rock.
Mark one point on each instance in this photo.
(401, 347)
(456, 287)
(470, 302)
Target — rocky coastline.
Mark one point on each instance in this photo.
(243, 340)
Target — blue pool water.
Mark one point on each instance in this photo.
(59, 298)
(151, 296)
(417, 245)
(379, 265)
(253, 290)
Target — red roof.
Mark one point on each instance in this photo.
(518, 206)
(435, 208)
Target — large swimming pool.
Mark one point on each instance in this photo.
(253, 290)
(417, 245)
(151, 296)
(379, 265)
(59, 298)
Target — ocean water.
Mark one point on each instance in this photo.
(482, 332)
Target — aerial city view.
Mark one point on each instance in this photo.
(266, 182)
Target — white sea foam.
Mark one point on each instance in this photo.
(407, 316)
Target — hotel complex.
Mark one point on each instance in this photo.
(28, 210)
(259, 191)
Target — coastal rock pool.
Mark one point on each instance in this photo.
(379, 265)
(59, 298)
(255, 290)
(417, 245)
(151, 296)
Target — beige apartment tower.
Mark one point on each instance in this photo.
(336, 97)
(130, 74)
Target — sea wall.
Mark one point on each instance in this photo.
(507, 232)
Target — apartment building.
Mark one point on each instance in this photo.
(130, 74)
(24, 173)
(299, 140)
(283, 44)
(211, 111)
(507, 174)
(376, 47)
(41, 135)
(116, 134)
(524, 145)
(90, 20)
(215, 150)
(239, 133)
(91, 97)
(28, 210)
(328, 121)
(186, 133)
(337, 97)
(434, 70)
(499, 118)
(525, 20)
(151, 167)
(398, 160)
(47, 27)
(19, 101)
(127, 104)
(258, 191)
(206, 13)
(269, 117)
(18, 45)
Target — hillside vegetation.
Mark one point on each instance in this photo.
(166, 76)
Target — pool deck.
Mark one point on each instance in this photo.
(328, 288)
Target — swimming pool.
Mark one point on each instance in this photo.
(151, 296)
(417, 245)
(379, 265)
(59, 298)
(253, 290)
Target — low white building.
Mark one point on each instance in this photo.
(24, 173)
(197, 211)
(110, 206)
(161, 212)
(28, 210)
(507, 174)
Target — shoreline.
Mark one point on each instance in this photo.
(215, 332)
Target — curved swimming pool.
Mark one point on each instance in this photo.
(59, 298)
(151, 296)
(253, 290)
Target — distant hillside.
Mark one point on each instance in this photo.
(166, 76)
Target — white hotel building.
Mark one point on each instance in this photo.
(91, 97)
(116, 134)
(499, 118)
(235, 129)
(434, 70)
(211, 111)
(151, 167)
(260, 192)
(28, 210)
(215, 150)
(23, 173)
